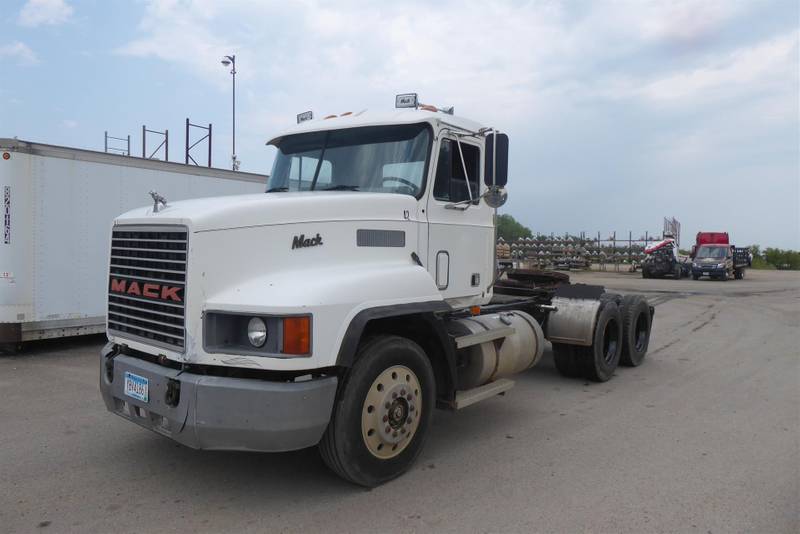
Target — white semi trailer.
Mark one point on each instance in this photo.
(57, 204)
(345, 304)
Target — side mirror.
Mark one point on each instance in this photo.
(495, 170)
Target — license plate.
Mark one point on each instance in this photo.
(137, 387)
(706, 274)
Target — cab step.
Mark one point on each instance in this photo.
(471, 396)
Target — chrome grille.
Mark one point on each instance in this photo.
(147, 284)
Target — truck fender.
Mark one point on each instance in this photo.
(413, 320)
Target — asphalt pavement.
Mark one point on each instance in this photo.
(703, 437)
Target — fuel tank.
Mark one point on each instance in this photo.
(500, 358)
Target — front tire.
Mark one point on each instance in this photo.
(382, 414)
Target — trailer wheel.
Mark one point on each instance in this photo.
(601, 359)
(636, 325)
(382, 414)
(567, 360)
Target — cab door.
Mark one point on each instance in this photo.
(460, 236)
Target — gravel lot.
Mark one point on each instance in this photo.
(703, 437)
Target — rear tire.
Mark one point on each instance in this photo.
(382, 413)
(636, 326)
(600, 360)
(567, 360)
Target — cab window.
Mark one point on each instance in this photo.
(450, 185)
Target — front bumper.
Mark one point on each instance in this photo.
(221, 413)
(708, 270)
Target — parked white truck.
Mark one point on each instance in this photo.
(52, 257)
(342, 306)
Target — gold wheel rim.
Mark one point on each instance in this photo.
(390, 413)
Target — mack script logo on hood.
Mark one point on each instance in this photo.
(146, 289)
(300, 241)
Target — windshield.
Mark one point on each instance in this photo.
(384, 159)
(712, 252)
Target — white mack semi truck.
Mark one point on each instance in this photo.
(342, 306)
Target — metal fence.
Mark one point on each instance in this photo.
(576, 251)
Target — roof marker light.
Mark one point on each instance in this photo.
(305, 116)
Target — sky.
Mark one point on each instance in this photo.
(619, 112)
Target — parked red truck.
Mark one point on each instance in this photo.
(715, 257)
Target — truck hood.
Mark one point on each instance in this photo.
(264, 209)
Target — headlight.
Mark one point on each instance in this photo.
(257, 332)
(695, 265)
(721, 265)
(271, 336)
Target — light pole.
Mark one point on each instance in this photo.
(226, 61)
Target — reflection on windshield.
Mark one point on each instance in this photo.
(385, 159)
(712, 252)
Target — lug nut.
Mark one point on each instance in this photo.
(402, 430)
(408, 421)
(394, 395)
(411, 408)
(388, 429)
(410, 397)
(387, 405)
(385, 418)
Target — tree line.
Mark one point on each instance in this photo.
(775, 258)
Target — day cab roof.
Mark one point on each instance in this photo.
(379, 118)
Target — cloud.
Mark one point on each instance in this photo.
(19, 51)
(622, 95)
(45, 12)
(763, 65)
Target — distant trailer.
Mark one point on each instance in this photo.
(58, 205)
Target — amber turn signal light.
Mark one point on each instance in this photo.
(297, 336)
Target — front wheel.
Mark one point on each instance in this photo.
(382, 413)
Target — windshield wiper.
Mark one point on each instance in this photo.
(342, 187)
(281, 189)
